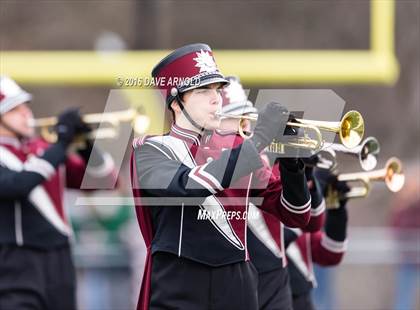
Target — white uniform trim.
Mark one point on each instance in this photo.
(199, 180)
(181, 226)
(40, 166)
(210, 177)
(283, 250)
(187, 135)
(292, 206)
(247, 203)
(309, 259)
(38, 196)
(295, 209)
(260, 229)
(295, 255)
(318, 210)
(296, 231)
(333, 245)
(18, 223)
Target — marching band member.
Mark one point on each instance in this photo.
(194, 263)
(265, 232)
(36, 269)
(325, 248)
(267, 250)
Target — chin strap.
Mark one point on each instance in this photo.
(18, 135)
(187, 116)
(202, 130)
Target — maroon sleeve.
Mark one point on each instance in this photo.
(79, 176)
(326, 251)
(75, 170)
(317, 214)
(289, 202)
(316, 222)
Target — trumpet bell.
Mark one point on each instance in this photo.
(352, 129)
(368, 153)
(394, 177)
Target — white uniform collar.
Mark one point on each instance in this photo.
(10, 141)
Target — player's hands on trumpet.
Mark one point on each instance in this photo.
(332, 188)
(70, 125)
(272, 120)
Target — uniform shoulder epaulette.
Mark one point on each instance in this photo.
(140, 140)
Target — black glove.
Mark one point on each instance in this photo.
(291, 133)
(291, 157)
(310, 164)
(337, 217)
(328, 179)
(342, 188)
(70, 125)
(290, 130)
(271, 120)
(311, 161)
(309, 172)
(325, 177)
(336, 223)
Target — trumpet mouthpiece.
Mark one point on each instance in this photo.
(31, 122)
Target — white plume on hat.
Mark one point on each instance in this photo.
(235, 99)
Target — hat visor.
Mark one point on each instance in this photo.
(12, 102)
(206, 81)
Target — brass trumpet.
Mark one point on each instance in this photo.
(366, 152)
(108, 124)
(350, 130)
(392, 174)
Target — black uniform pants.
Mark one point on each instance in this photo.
(179, 283)
(303, 302)
(274, 290)
(36, 279)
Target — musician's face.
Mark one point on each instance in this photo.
(202, 104)
(18, 119)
